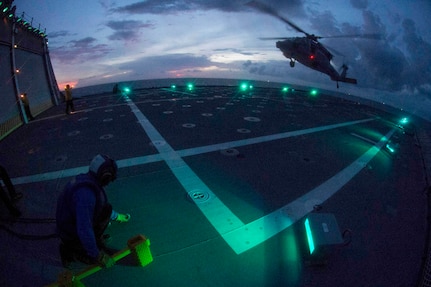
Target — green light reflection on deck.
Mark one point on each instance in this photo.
(309, 236)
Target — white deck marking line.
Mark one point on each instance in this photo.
(363, 138)
(128, 162)
(258, 231)
(218, 214)
(261, 139)
(52, 175)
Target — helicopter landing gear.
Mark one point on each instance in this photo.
(292, 63)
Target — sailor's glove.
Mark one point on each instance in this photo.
(122, 217)
(105, 260)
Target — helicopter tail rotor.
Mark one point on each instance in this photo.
(343, 70)
(342, 77)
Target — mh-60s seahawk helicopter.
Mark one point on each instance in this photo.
(308, 50)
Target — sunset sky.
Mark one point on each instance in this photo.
(94, 42)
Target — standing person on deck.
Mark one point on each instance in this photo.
(69, 100)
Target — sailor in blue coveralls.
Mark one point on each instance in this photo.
(83, 213)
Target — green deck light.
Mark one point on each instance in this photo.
(404, 121)
(309, 236)
(190, 86)
(245, 86)
(285, 89)
(322, 232)
(127, 90)
(390, 148)
(173, 87)
(12, 12)
(313, 92)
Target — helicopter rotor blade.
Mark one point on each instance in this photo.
(364, 36)
(273, 38)
(268, 10)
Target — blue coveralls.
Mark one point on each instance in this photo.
(83, 213)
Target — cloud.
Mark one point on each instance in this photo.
(178, 6)
(106, 4)
(247, 64)
(128, 24)
(83, 43)
(188, 65)
(234, 50)
(382, 64)
(162, 65)
(80, 51)
(62, 33)
(156, 7)
(419, 54)
(359, 4)
(395, 62)
(325, 23)
(389, 65)
(128, 30)
(167, 66)
(273, 69)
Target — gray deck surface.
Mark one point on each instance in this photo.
(219, 180)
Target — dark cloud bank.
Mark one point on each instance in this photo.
(396, 62)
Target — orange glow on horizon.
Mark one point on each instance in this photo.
(62, 86)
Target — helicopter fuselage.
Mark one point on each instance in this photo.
(306, 50)
(310, 53)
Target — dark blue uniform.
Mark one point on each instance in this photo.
(83, 213)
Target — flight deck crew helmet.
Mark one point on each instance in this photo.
(104, 168)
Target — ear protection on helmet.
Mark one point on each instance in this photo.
(104, 168)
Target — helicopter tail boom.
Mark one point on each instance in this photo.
(345, 80)
(342, 77)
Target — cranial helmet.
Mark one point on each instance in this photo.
(104, 168)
